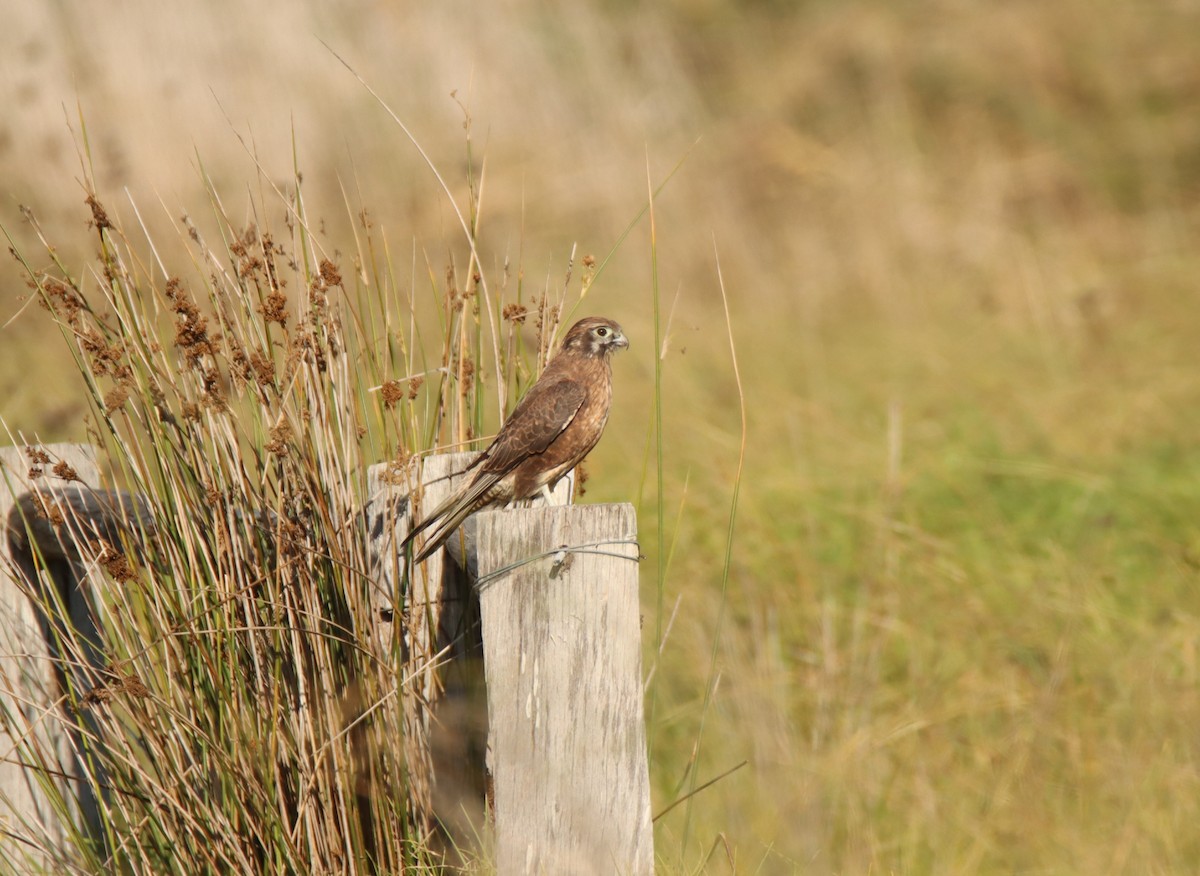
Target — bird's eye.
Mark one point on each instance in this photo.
(602, 331)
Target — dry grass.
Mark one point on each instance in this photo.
(958, 243)
(242, 705)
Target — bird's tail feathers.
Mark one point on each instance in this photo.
(450, 514)
(432, 517)
(445, 528)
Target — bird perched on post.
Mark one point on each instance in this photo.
(552, 429)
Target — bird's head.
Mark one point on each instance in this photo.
(595, 336)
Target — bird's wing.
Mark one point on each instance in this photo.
(543, 414)
(540, 417)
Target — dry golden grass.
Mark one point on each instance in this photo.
(959, 242)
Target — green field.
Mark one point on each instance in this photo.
(960, 627)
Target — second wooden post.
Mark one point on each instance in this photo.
(558, 593)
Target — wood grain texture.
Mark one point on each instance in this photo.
(29, 684)
(562, 650)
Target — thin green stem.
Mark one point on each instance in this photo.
(711, 684)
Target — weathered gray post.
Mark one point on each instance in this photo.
(38, 768)
(558, 591)
(423, 609)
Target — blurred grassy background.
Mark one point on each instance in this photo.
(960, 244)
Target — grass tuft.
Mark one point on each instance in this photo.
(236, 698)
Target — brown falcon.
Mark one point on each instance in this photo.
(552, 429)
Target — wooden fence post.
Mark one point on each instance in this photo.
(38, 764)
(422, 611)
(558, 590)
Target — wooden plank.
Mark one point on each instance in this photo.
(562, 650)
(113, 515)
(33, 739)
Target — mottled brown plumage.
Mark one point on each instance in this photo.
(552, 429)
